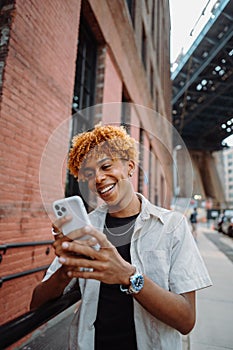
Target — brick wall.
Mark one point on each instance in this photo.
(37, 94)
(6, 17)
(38, 81)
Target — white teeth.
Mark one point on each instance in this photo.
(106, 189)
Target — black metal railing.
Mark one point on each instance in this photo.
(7, 246)
(19, 327)
(16, 329)
(21, 274)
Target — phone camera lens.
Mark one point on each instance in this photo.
(57, 207)
(63, 209)
(59, 213)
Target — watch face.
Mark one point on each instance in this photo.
(137, 282)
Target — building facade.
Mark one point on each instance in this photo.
(228, 176)
(57, 59)
(224, 165)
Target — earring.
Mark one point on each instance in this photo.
(130, 174)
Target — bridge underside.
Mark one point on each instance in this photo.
(203, 85)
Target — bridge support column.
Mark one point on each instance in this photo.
(206, 178)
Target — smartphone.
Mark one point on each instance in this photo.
(74, 207)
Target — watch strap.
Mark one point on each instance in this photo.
(136, 284)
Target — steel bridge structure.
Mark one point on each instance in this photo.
(203, 84)
(202, 97)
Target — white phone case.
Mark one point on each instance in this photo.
(74, 207)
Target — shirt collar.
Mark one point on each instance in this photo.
(147, 209)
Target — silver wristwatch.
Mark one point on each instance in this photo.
(136, 284)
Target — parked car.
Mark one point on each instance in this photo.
(230, 228)
(225, 222)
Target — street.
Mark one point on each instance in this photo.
(213, 328)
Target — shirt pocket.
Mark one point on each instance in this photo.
(156, 267)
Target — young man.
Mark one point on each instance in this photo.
(138, 289)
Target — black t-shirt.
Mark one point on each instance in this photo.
(114, 325)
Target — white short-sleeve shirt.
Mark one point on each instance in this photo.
(162, 248)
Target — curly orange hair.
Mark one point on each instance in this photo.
(107, 139)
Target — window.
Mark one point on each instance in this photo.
(152, 81)
(144, 47)
(85, 70)
(131, 7)
(158, 33)
(84, 93)
(141, 157)
(150, 173)
(153, 19)
(125, 111)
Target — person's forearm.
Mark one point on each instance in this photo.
(50, 289)
(177, 311)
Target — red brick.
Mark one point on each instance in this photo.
(37, 95)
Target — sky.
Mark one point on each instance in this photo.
(186, 17)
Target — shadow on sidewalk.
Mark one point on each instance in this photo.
(223, 242)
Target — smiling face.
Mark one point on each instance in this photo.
(104, 157)
(109, 178)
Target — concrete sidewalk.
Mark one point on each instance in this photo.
(214, 326)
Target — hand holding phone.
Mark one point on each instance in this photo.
(74, 207)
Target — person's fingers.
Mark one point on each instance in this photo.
(56, 232)
(57, 245)
(88, 235)
(83, 272)
(57, 227)
(81, 264)
(86, 241)
(58, 223)
(90, 244)
(99, 236)
(79, 248)
(78, 234)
